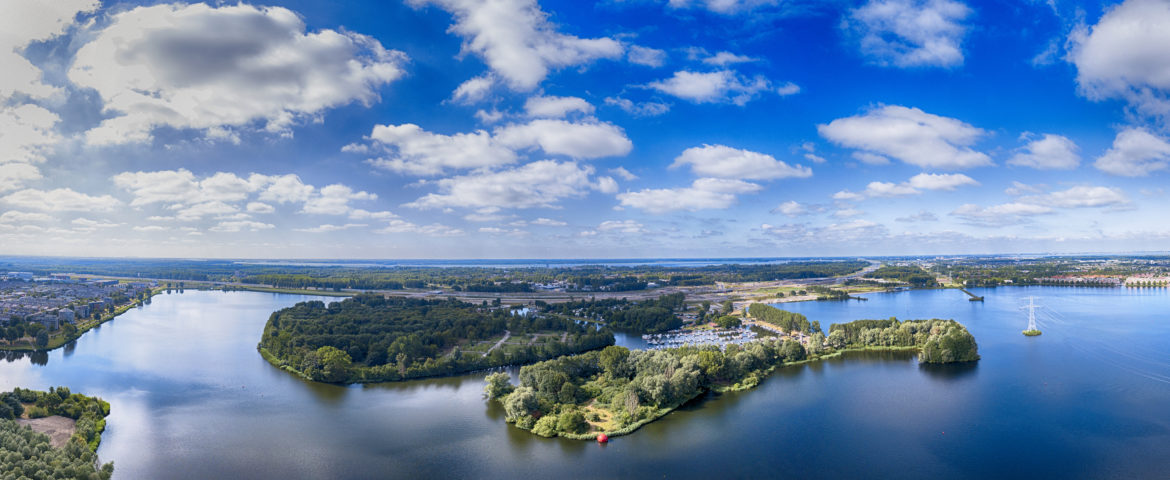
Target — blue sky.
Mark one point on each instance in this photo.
(635, 128)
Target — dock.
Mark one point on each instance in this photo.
(974, 297)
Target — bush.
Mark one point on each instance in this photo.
(572, 421)
(728, 321)
(498, 385)
(546, 426)
(37, 411)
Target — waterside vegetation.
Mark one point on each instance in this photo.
(25, 453)
(369, 338)
(373, 275)
(35, 337)
(647, 316)
(615, 391)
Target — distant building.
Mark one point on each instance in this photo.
(26, 276)
(66, 315)
(49, 320)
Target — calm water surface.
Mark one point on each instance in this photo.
(1088, 399)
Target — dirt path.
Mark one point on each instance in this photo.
(501, 342)
(58, 428)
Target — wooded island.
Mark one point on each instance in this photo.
(369, 338)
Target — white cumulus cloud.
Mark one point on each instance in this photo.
(621, 226)
(910, 135)
(409, 149)
(326, 228)
(703, 194)
(723, 59)
(941, 181)
(515, 39)
(241, 225)
(555, 107)
(1124, 56)
(27, 131)
(1049, 152)
(726, 162)
(334, 200)
(580, 140)
(204, 68)
(59, 200)
(650, 57)
(910, 33)
(638, 109)
(999, 215)
(717, 87)
(1135, 153)
(432, 230)
(537, 184)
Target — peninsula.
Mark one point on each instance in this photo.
(52, 434)
(615, 391)
(370, 338)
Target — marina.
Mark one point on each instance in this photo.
(700, 338)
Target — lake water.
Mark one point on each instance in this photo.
(1090, 398)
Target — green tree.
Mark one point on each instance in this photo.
(816, 342)
(498, 385)
(42, 339)
(728, 321)
(571, 421)
(837, 339)
(520, 403)
(613, 361)
(336, 365)
(546, 426)
(568, 393)
(792, 351)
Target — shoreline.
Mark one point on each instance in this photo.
(718, 390)
(59, 339)
(276, 362)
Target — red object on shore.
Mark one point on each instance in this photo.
(602, 438)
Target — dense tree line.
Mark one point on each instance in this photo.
(828, 293)
(569, 396)
(940, 341)
(616, 390)
(28, 454)
(912, 274)
(990, 272)
(787, 321)
(393, 275)
(767, 272)
(370, 338)
(494, 287)
(608, 284)
(307, 281)
(646, 316)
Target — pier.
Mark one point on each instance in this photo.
(974, 297)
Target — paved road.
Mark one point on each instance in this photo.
(501, 342)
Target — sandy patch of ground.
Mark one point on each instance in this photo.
(58, 428)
